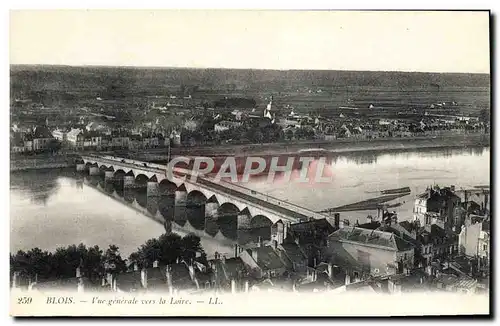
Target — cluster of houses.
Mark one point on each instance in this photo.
(93, 136)
(444, 248)
(38, 139)
(346, 125)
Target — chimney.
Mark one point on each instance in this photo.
(233, 286)
(155, 264)
(136, 267)
(254, 255)
(109, 279)
(275, 244)
(336, 218)
(168, 274)
(191, 271)
(15, 280)
(236, 250)
(80, 286)
(330, 270)
(347, 279)
(144, 278)
(396, 288)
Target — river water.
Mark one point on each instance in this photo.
(53, 208)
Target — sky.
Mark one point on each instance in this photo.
(326, 40)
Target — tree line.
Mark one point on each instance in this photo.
(95, 263)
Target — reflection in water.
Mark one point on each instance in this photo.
(39, 192)
(196, 216)
(57, 208)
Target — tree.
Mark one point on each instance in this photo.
(191, 244)
(258, 137)
(484, 116)
(112, 262)
(54, 145)
(64, 261)
(167, 249)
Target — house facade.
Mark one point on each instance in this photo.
(369, 252)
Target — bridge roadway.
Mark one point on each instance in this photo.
(269, 203)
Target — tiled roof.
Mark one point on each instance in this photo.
(42, 132)
(311, 231)
(234, 266)
(463, 282)
(370, 226)
(371, 238)
(408, 226)
(403, 241)
(268, 259)
(294, 252)
(129, 281)
(180, 276)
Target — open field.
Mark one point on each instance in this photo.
(323, 91)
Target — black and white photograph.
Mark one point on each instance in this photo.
(249, 163)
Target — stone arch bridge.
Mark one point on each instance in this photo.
(218, 197)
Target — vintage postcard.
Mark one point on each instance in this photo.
(249, 163)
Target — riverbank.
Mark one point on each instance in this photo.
(332, 146)
(18, 164)
(37, 162)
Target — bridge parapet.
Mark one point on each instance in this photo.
(256, 202)
(128, 164)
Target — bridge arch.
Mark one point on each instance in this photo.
(228, 209)
(167, 187)
(141, 179)
(120, 173)
(260, 221)
(196, 198)
(227, 220)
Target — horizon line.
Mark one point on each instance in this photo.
(226, 68)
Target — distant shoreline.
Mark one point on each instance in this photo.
(339, 146)
(314, 148)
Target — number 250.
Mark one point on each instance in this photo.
(24, 300)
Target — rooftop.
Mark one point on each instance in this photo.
(386, 240)
(267, 258)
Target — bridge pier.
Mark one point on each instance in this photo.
(108, 175)
(180, 198)
(211, 210)
(94, 170)
(244, 220)
(128, 181)
(153, 189)
(80, 167)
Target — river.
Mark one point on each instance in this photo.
(53, 208)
